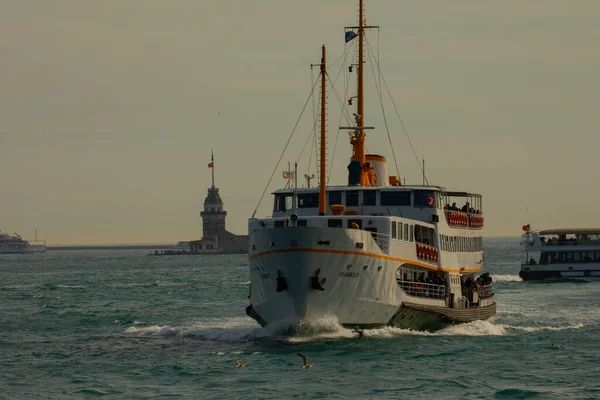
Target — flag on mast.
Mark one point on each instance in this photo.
(350, 35)
(211, 165)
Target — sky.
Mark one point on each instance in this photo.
(109, 109)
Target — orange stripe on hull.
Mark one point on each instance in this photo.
(358, 253)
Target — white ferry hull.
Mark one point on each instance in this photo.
(359, 285)
(36, 248)
(561, 272)
(12, 251)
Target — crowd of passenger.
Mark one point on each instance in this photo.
(479, 285)
(414, 286)
(466, 208)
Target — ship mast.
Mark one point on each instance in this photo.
(322, 182)
(357, 138)
(359, 145)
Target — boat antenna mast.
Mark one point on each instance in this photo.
(357, 136)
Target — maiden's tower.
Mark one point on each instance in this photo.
(215, 237)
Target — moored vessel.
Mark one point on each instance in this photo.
(372, 252)
(561, 254)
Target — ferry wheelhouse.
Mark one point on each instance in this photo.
(561, 254)
(372, 252)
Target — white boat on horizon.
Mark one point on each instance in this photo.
(373, 252)
(561, 254)
(15, 244)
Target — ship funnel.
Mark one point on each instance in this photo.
(379, 169)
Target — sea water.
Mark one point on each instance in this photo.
(118, 323)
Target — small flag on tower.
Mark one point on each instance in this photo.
(211, 165)
(350, 35)
(288, 174)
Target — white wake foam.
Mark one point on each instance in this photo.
(326, 328)
(227, 330)
(506, 278)
(531, 329)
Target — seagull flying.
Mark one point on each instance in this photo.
(238, 364)
(306, 364)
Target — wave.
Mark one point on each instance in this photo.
(506, 278)
(530, 329)
(227, 330)
(323, 329)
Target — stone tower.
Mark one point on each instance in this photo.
(213, 216)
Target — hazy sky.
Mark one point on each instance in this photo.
(109, 109)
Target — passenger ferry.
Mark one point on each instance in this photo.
(561, 254)
(15, 244)
(373, 252)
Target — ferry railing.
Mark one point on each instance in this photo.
(382, 240)
(485, 291)
(420, 289)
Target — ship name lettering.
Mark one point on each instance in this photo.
(348, 274)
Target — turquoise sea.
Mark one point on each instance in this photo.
(120, 324)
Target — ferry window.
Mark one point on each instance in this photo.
(400, 231)
(302, 222)
(406, 232)
(395, 198)
(308, 200)
(544, 259)
(357, 221)
(352, 198)
(278, 224)
(335, 223)
(412, 234)
(569, 257)
(369, 197)
(393, 230)
(334, 198)
(283, 202)
(420, 197)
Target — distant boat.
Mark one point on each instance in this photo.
(15, 244)
(561, 254)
